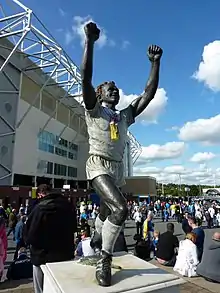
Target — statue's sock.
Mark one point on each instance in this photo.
(110, 234)
(98, 225)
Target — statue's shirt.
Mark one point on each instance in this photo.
(98, 123)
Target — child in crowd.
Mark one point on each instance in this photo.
(155, 240)
(166, 215)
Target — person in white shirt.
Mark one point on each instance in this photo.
(197, 206)
(211, 211)
(83, 248)
(139, 221)
(150, 213)
(218, 219)
(82, 207)
(187, 258)
(90, 208)
(199, 217)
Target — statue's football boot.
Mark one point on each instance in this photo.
(103, 270)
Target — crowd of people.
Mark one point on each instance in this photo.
(176, 210)
(53, 230)
(188, 257)
(13, 222)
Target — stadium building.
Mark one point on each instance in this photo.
(43, 135)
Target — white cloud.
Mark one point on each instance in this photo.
(148, 170)
(203, 130)
(175, 169)
(78, 31)
(155, 152)
(111, 43)
(59, 30)
(154, 109)
(202, 157)
(125, 44)
(173, 128)
(62, 12)
(209, 68)
(68, 37)
(179, 174)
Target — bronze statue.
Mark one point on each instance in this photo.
(107, 130)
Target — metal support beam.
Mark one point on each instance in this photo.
(135, 147)
(9, 96)
(34, 41)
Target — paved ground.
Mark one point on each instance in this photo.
(192, 286)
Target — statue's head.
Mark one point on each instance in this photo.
(108, 93)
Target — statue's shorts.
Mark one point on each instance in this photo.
(96, 166)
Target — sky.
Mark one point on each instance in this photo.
(180, 129)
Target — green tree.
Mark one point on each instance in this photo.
(194, 190)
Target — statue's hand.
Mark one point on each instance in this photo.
(154, 53)
(92, 31)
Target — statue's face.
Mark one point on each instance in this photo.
(110, 94)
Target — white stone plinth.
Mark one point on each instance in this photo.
(136, 276)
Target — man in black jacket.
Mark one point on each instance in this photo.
(50, 232)
(167, 247)
(20, 268)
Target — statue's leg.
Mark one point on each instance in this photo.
(115, 201)
(104, 210)
(96, 242)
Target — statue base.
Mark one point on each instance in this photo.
(129, 275)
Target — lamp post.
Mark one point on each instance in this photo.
(180, 184)
(187, 190)
(214, 179)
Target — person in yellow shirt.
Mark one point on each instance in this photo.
(148, 228)
(173, 210)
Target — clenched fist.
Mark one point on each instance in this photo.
(92, 31)
(154, 53)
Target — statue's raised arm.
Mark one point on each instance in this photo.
(92, 35)
(140, 104)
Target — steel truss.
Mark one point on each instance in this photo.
(31, 39)
(135, 147)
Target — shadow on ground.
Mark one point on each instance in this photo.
(15, 284)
